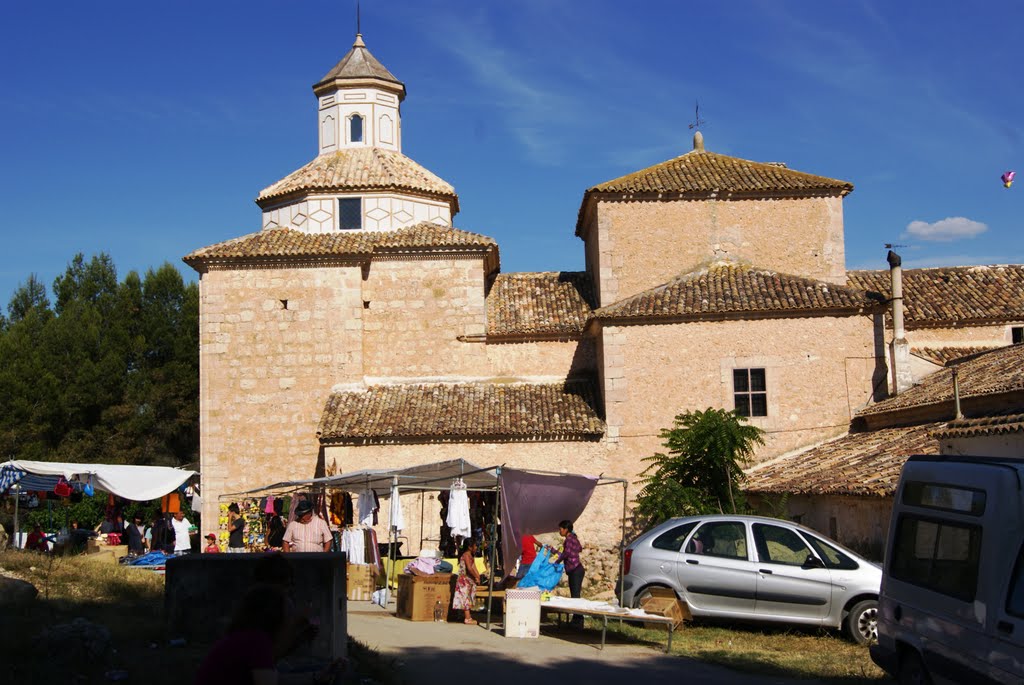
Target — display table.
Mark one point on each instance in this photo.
(565, 605)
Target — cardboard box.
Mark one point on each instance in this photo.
(522, 613)
(361, 581)
(418, 596)
(663, 602)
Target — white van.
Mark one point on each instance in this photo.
(951, 608)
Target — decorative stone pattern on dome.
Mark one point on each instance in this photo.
(726, 288)
(463, 410)
(547, 303)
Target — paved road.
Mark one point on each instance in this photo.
(429, 653)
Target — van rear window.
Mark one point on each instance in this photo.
(939, 555)
(944, 497)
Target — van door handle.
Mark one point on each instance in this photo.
(766, 571)
(693, 561)
(1004, 626)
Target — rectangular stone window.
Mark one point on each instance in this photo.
(750, 392)
(350, 213)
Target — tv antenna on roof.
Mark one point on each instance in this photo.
(359, 29)
(889, 246)
(697, 121)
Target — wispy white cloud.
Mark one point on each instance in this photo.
(945, 230)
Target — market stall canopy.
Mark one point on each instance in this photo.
(138, 483)
(436, 476)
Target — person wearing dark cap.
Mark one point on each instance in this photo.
(211, 544)
(236, 526)
(308, 532)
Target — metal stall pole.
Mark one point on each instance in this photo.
(622, 544)
(17, 499)
(494, 543)
(393, 539)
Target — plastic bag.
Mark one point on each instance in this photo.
(381, 597)
(542, 573)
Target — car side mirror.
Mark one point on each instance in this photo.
(812, 562)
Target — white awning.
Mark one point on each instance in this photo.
(138, 483)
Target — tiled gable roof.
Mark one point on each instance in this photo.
(944, 355)
(361, 169)
(986, 425)
(854, 464)
(463, 411)
(548, 303)
(278, 243)
(953, 294)
(998, 371)
(726, 288)
(702, 172)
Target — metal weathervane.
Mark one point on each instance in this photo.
(697, 121)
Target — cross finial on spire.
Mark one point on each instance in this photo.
(697, 121)
(359, 28)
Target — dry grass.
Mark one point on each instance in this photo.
(810, 654)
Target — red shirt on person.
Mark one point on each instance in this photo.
(529, 549)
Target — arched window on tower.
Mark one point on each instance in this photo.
(356, 129)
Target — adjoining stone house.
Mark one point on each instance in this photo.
(359, 328)
(844, 487)
(952, 312)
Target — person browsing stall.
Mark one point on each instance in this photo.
(529, 554)
(308, 532)
(469, 578)
(236, 526)
(211, 544)
(570, 557)
(181, 527)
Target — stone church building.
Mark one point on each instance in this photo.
(360, 327)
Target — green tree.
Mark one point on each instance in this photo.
(703, 468)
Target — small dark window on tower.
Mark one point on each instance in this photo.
(284, 304)
(366, 304)
(750, 392)
(1017, 334)
(350, 213)
(356, 129)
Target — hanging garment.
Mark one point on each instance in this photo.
(458, 510)
(352, 545)
(268, 505)
(397, 517)
(169, 503)
(367, 504)
(338, 509)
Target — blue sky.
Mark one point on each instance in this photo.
(146, 129)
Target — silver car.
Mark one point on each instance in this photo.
(755, 568)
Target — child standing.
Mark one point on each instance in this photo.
(211, 544)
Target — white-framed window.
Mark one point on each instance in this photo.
(350, 213)
(750, 392)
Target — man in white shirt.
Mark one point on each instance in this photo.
(181, 526)
(308, 532)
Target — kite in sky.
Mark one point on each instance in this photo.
(1008, 178)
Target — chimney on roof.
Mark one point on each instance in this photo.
(698, 141)
(899, 348)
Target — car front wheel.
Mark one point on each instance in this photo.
(861, 624)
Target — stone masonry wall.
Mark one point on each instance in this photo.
(266, 369)
(644, 244)
(818, 371)
(416, 310)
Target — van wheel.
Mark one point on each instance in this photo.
(861, 624)
(912, 670)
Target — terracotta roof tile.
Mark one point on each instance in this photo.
(986, 425)
(944, 355)
(463, 411)
(361, 169)
(953, 294)
(545, 303)
(277, 243)
(699, 173)
(998, 371)
(726, 288)
(866, 464)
